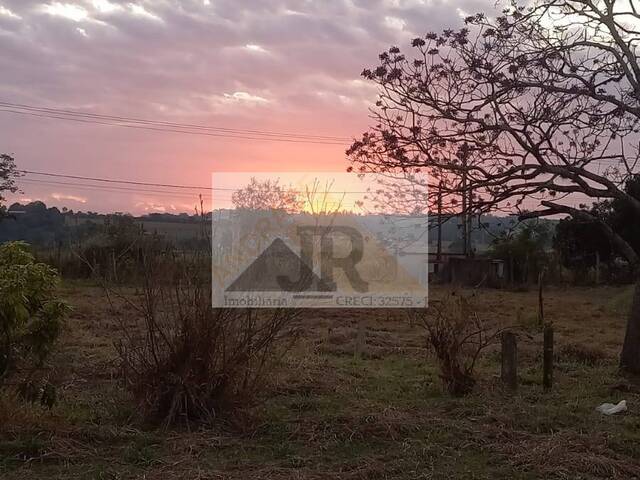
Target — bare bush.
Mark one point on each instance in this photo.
(186, 361)
(457, 336)
(585, 354)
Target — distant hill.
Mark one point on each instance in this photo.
(48, 226)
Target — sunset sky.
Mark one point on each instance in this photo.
(274, 65)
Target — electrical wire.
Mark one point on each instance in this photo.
(169, 127)
(60, 111)
(168, 185)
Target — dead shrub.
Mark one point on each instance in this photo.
(186, 361)
(584, 354)
(457, 336)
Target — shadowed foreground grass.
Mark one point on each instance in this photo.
(329, 415)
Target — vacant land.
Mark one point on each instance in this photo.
(330, 415)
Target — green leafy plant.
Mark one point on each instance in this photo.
(30, 314)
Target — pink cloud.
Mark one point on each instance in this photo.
(270, 65)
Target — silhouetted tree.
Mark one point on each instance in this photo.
(267, 195)
(8, 174)
(524, 250)
(581, 242)
(539, 104)
(623, 217)
(36, 224)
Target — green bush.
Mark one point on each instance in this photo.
(30, 313)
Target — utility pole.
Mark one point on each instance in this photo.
(469, 219)
(466, 204)
(465, 246)
(439, 247)
(467, 198)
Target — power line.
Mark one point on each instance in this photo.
(114, 189)
(168, 185)
(131, 191)
(171, 130)
(128, 182)
(61, 111)
(160, 126)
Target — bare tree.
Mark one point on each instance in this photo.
(267, 195)
(533, 112)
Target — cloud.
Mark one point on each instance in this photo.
(148, 206)
(73, 198)
(69, 11)
(255, 48)
(105, 6)
(273, 65)
(395, 23)
(244, 97)
(5, 12)
(131, 65)
(143, 12)
(78, 13)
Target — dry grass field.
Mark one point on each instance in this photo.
(328, 415)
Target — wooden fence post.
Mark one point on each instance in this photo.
(509, 372)
(547, 358)
(540, 298)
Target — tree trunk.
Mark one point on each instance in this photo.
(630, 356)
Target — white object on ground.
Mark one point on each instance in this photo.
(611, 409)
